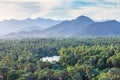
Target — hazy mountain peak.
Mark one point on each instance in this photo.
(110, 23)
(82, 25)
(110, 27)
(114, 21)
(83, 20)
(67, 28)
(82, 17)
(8, 26)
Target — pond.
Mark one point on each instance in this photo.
(51, 59)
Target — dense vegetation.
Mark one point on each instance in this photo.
(96, 58)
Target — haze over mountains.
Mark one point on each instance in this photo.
(111, 27)
(28, 24)
(67, 28)
(81, 26)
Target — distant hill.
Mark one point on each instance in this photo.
(8, 26)
(67, 28)
(81, 26)
(22, 34)
(111, 27)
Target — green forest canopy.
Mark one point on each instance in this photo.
(96, 58)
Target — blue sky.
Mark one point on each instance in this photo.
(59, 9)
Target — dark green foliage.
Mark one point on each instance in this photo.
(96, 58)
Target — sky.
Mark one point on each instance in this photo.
(59, 9)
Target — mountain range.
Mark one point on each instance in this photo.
(8, 26)
(67, 28)
(81, 26)
(111, 27)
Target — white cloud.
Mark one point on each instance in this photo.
(20, 10)
(65, 9)
(17, 10)
(46, 7)
(97, 13)
(117, 1)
